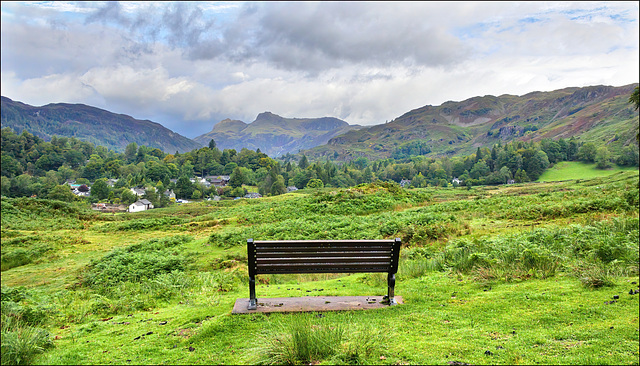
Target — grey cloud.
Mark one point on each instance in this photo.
(312, 36)
(298, 35)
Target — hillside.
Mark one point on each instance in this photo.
(538, 273)
(98, 126)
(275, 135)
(600, 114)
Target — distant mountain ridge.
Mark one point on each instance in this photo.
(593, 113)
(95, 125)
(275, 135)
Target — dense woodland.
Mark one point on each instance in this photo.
(34, 167)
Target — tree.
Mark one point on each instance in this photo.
(521, 176)
(587, 152)
(303, 163)
(480, 169)
(100, 189)
(94, 168)
(603, 158)
(536, 165)
(238, 192)
(505, 174)
(628, 156)
(10, 166)
(184, 187)
(130, 152)
(315, 183)
(156, 171)
(237, 178)
(61, 193)
(303, 177)
(635, 99)
(278, 186)
(419, 181)
(127, 197)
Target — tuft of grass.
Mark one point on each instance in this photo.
(298, 341)
(21, 343)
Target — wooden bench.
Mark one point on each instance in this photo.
(322, 256)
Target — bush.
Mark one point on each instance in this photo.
(609, 245)
(142, 224)
(21, 315)
(144, 260)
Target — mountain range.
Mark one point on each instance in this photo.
(275, 135)
(95, 125)
(600, 114)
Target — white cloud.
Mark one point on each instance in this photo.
(189, 65)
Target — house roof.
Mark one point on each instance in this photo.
(145, 201)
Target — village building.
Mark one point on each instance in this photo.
(141, 205)
(218, 181)
(138, 191)
(108, 207)
(291, 189)
(170, 194)
(405, 183)
(252, 195)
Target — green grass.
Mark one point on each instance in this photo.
(568, 170)
(517, 274)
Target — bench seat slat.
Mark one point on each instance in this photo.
(322, 265)
(321, 249)
(328, 269)
(314, 260)
(323, 242)
(385, 254)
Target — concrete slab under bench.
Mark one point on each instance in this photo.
(312, 303)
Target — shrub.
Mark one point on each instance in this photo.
(21, 315)
(144, 260)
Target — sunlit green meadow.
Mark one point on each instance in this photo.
(567, 170)
(517, 274)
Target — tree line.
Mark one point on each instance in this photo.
(32, 166)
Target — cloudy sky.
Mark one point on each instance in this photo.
(188, 65)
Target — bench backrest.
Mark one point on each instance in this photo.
(322, 256)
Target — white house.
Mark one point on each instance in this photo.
(138, 191)
(170, 194)
(140, 205)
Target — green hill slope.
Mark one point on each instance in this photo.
(86, 123)
(600, 114)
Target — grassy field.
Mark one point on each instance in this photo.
(540, 273)
(568, 170)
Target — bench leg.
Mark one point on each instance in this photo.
(253, 302)
(391, 282)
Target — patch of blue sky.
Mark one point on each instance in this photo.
(477, 30)
(588, 15)
(530, 20)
